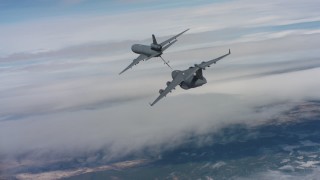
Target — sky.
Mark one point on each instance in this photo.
(61, 95)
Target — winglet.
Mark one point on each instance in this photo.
(150, 104)
(229, 51)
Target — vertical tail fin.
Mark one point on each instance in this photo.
(154, 39)
(199, 74)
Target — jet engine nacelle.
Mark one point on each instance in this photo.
(161, 91)
(156, 47)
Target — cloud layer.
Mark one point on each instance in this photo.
(61, 95)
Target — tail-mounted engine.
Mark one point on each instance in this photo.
(155, 46)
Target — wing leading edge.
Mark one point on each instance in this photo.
(176, 81)
(138, 59)
(134, 62)
(172, 38)
(213, 61)
(170, 44)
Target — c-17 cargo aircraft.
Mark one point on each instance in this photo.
(154, 50)
(189, 78)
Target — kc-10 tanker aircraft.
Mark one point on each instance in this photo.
(190, 78)
(154, 50)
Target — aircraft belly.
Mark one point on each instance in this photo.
(193, 82)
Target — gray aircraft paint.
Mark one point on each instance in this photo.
(143, 49)
(189, 78)
(155, 49)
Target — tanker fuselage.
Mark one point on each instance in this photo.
(145, 50)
